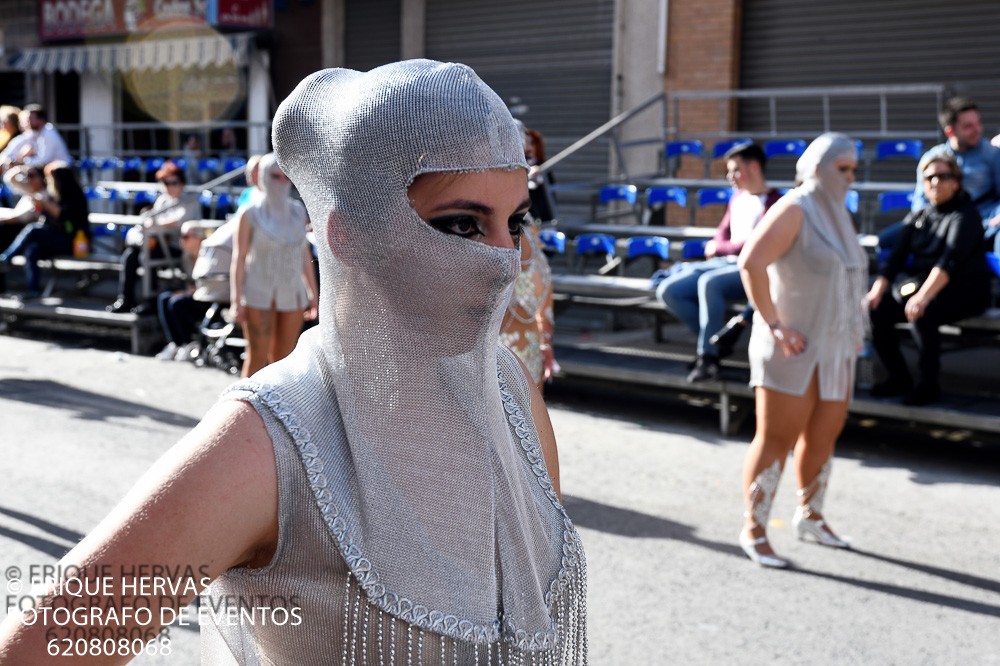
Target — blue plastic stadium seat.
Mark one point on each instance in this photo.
(132, 164)
(892, 200)
(644, 246)
(860, 145)
(205, 198)
(87, 163)
(693, 248)
(710, 196)
(595, 244)
(553, 241)
(209, 164)
(852, 200)
(92, 193)
(233, 163)
(224, 202)
(154, 164)
(721, 148)
(629, 193)
(111, 163)
(793, 147)
(677, 148)
(662, 195)
(993, 260)
(143, 197)
(912, 148)
(181, 162)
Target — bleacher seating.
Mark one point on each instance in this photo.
(794, 147)
(912, 148)
(693, 249)
(648, 246)
(600, 245)
(553, 241)
(232, 164)
(658, 197)
(625, 194)
(711, 196)
(890, 201)
(722, 147)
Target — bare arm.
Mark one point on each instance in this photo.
(936, 280)
(543, 426)
(310, 275)
(241, 245)
(769, 242)
(191, 509)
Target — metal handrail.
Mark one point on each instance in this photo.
(601, 131)
(825, 94)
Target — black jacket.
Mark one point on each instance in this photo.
(949, 236)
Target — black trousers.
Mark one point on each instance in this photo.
(128, 279)
(956, 301)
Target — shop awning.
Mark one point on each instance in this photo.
(140, 54)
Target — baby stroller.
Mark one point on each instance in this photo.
(221, 343)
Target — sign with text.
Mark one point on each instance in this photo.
(75, 19)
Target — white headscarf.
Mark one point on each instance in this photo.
(824, 190)
(277, 213)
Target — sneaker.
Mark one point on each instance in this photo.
(922, 394)
(168, 353)
(891, 388)
(727, 336)
(706, 369)
(187, 353)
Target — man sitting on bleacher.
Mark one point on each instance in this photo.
(29, 182)
(980, 162)
(697, 293)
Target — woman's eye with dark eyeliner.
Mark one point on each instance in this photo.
(517, 223)
(458, 225)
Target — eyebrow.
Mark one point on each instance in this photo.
(466, 204)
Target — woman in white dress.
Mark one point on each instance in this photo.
(806, 276)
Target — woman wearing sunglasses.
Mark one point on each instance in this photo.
(159, 230)
(935, 274)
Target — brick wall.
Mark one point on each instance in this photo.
(702, 54)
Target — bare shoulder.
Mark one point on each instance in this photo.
(543, 426)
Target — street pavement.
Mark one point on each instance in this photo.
(650, 483)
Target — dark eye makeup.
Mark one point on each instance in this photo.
(467, 226)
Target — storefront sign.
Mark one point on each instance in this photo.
(75, 19)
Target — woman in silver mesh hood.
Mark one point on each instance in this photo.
(388, 493)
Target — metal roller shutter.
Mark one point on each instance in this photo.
(860, 42)
(373, 33)
(554, 57)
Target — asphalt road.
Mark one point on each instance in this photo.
(652, 485)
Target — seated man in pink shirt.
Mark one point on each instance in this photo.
(698, 292)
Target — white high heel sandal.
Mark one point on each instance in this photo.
(760, 494)
(811, 503)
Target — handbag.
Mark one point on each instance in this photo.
(904, 286)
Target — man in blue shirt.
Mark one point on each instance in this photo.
(979, 161)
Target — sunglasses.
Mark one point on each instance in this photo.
(171, 183)
(940, 176)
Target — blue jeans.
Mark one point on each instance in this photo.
(37, 241)
(180, 316)
(698, 293)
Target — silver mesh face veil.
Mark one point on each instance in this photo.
(427, 472)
